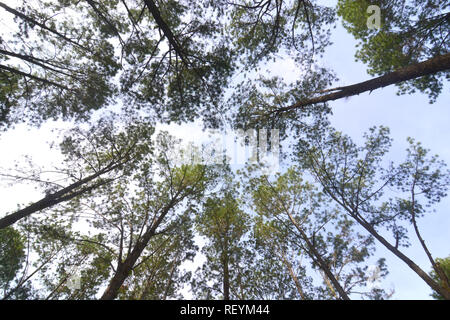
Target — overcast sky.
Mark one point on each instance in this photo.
(406, 115)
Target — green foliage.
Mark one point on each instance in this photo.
(132, 214)
(224, 225)
(294, 221)
(444, 263)
(12, 256)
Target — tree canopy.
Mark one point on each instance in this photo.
(129, 207)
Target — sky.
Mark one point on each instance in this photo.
(406, 116)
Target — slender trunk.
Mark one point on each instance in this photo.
(431, 66)
(425, 277)
(43, 26)
(54, 198)
(172, 271)
(437, 268)
(226, 282)
(226, 273)
(293, 275)
(316, 256)
(325, 268)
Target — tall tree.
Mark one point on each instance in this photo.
(135, 228)
(93, 157)
(296, 218)
(224, 225)
(354, 179)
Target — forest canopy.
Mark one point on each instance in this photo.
(128, 207)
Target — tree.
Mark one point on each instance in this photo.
(407, 50)
(355, 180)
(166, 61)
(411, 31)
(444, 265)
(93, 157)
(54, 67)
(159, 275)
(224, 225)
(134, 228)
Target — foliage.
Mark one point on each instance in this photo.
(411, 31)
(445, 265)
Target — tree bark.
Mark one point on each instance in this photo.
(166, 30)
(431, 66)
(43, 26)
(55, 198)
(293, 275)
(316, 256)
(226, 273)
(425, 277)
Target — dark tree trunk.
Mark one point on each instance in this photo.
(431, 66)
(425, 277)
(366, 225)
(166, 30)
(52, 199)
(226, 280)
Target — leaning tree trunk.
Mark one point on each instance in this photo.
(59, 196)
(125, 268)
(431, 66)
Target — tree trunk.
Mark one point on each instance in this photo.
(315, 255)
(293, 275)
(226, 273)
(425, 277)
(55, 198)
(431, 66)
